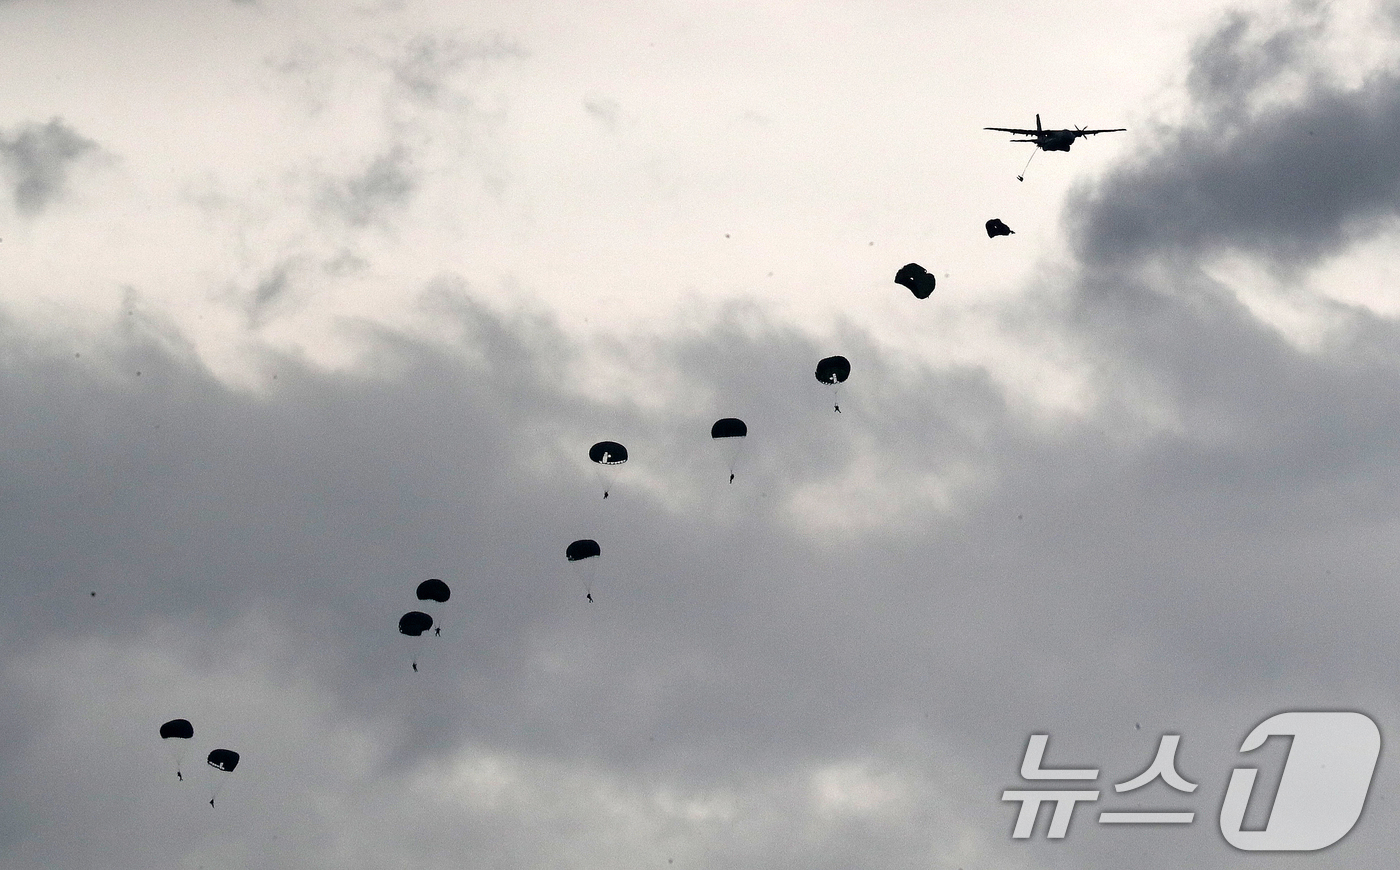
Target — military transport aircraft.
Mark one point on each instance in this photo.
(1052, 140)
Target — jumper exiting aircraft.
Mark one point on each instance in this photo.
(1050, 140)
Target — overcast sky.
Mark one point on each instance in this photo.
(303, 303)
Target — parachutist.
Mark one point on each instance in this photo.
(838, 409)
(179, 776)
(605, 495)
(211, 802)
(438, 631)
(415, 667)
(731, 477)
(589, 596)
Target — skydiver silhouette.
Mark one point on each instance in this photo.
(605, 493)
(731, 477)
(838, 409)
(415, 667)
(180, 776)
(211, 802)
(438, 631)
(590, 597)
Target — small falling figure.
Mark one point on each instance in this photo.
(437, 632)
(415, 667)
(590, 597)
(180, 776)
(731, 477)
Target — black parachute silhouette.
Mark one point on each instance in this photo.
(917, 279)
(586, 548)
(179, 731)
(996, 228)
(609, 455)
(225, 760)
(433, 590)
(729, 427)
(583, 555)
(833, 370)
(414, 623)
(735, 431)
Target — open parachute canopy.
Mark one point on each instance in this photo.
(608, 453)
(433, 590)
(223, 759)
(414, 623)
(834, 370)
(180, 728)
(996, 228)
(729, 427)
(917, 279)
(586, 548)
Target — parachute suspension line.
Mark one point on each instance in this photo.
(1022, 176)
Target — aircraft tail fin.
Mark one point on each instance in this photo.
(1037, 122)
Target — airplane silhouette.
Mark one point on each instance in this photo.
(1052, 140)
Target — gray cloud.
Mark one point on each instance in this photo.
(1290, 180)
(428, 63)
(742, 656)
(387, 184)
(604, 109)
(37, 158)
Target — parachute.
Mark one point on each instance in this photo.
(833, 371)
(432, 590)
(176, 734)
(223, 760)
(729, 427)
(732, 432)
(608, 455)
(996, 228)
(917, 279)
(583, 555)
(583, 549)
(414, 623)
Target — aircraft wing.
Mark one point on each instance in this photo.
(1023, 132)
(1092, 132)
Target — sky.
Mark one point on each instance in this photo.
(303, 303)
